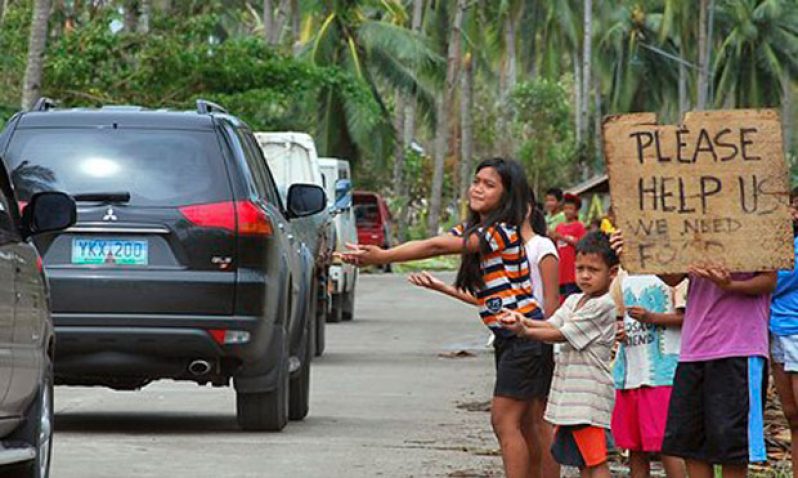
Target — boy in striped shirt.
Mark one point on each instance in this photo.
(581, 396)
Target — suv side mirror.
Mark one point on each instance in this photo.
(343, 195)
(48, 212)
(305, 200)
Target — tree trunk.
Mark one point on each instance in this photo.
(32, 84)
(598, 140)
(268, 20)
(399, 161)
(409, 127)
(786, 110)
(400, 188)
(144, 17)
(507, 84)
(410, 107)
(442, 126)
(684, 103)
(466, 130)
(703, 64)
(578, 99)
(3, 8)
(283, 14)
(586, 57)
(131, 16)
(296, 26)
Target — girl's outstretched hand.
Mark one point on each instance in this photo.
(362, 255)
(426, 280)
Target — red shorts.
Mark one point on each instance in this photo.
(639, 418)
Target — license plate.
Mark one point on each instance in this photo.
(110, 251)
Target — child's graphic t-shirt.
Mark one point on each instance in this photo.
(505, 270)
(650, 353)
(567, 252)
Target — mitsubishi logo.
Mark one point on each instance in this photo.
(109, 214)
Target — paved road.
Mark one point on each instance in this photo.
(384, 403)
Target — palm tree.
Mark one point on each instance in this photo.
(32, 83)
(360, 39)
(466, 128)
(145, 10)
(760, 47)
(443, 107)
(703, 55)
(638, 71)
(410, 107)
(406, 134)
(584, 108)
(679, 27)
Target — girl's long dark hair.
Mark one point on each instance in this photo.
(512, 211)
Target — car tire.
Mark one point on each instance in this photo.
(337, 312)
(265, 411)
(299, 395)
(37, 429)
(348, 309)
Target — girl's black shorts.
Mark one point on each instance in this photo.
(523, 368)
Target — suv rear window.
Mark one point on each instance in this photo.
(159, 168)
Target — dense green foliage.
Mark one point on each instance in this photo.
(338, 67)
(172, 66)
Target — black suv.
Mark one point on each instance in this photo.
(182, 264)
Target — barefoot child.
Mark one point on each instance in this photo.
(644, 368)
(581, 396)
(494, 269)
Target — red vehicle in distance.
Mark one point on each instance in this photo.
(373, 219)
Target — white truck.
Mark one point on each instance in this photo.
(293, 159)
(338, 184)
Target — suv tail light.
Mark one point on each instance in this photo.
(243, 217)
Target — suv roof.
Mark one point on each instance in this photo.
(126, 116)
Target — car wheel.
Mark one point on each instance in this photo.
(337, 312)
(349, 305)
(265, 411)
(299, 395)
(37, 429)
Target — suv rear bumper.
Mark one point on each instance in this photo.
(156, 346)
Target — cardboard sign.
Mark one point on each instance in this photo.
(714, 188)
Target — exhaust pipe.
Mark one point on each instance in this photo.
(199, 367)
